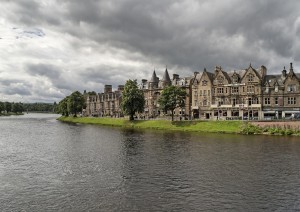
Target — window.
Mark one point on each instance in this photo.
(267, 100)
(250, 89)
(204, 102)
(234, 89)
(200, 92)
(220, 79)
(220, 90)
(226, 90)
(276, 88)
(249, 101)
(204, 93)
(204, 83)
(267, 90)
(276, 100)
(234, 102)
(235, 78)
(196, 102)
(208, 92)
(291, 88)
(250, 77)
(291, 100)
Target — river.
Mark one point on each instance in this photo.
(47, 165)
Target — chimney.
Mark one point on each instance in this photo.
(291, 67)
(107, 88)
(175, 76)
(283, 73)
(120, 87)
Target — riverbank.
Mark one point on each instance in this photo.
(11, 114)
(190, 126)
(232, 127)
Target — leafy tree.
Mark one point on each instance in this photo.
(172, 97)
(8, 106)
(132, 99)
(75, 103)
(63, 106)
(17, 108)
(1, 107)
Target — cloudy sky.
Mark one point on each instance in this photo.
(50, 48)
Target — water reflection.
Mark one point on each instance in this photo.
(48, 165)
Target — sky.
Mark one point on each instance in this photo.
(50, 48)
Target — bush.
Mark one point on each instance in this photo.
(249, 129)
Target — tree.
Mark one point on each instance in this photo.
(172, 97)
(17, 108)
(63, 106)
(75, 103)
(8, 107)
(132, 99)
(1, 107)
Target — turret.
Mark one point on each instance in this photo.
(166, 79)
(153, 83)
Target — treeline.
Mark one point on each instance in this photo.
(40, 107)
(11, 107)
(18, 107)
(71, 105)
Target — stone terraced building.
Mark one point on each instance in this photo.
(226, 95)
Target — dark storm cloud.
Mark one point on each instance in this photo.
(132, 37)
(47, 70)
(172, 33)
(188, 34)
(106, 75)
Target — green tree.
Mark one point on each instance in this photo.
(1, 107)
(172, 97)
(132, 99)
(75, 103)
(8, 107)
(63, 107)
(17, 107)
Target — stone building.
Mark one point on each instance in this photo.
(107, 103)
(153, 88)
(245, 94)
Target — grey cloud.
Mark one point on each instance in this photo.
(17, 89)
(185, 35)
(47, 70)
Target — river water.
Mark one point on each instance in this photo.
(46, 165)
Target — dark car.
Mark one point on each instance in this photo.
(297, 116)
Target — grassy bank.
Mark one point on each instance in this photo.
(191, 126)
(11, 114)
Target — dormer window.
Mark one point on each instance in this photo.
(235, 78)
(250, 77)
(291, 88)
(220, 79)
(276, 88)
(267, 90)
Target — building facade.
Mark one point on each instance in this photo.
(248, 94)
(245, 94)
(103, 104)
(153, 88)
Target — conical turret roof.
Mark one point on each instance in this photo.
(166, 77)
(154, 77)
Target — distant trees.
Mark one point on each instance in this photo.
(38, 107)
(71, 104)
(2, 108)
(17, 108)
(11, 107)
(132, 99)
(172, 97)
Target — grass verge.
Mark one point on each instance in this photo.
(190, 126)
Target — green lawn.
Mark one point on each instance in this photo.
(192, 126)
